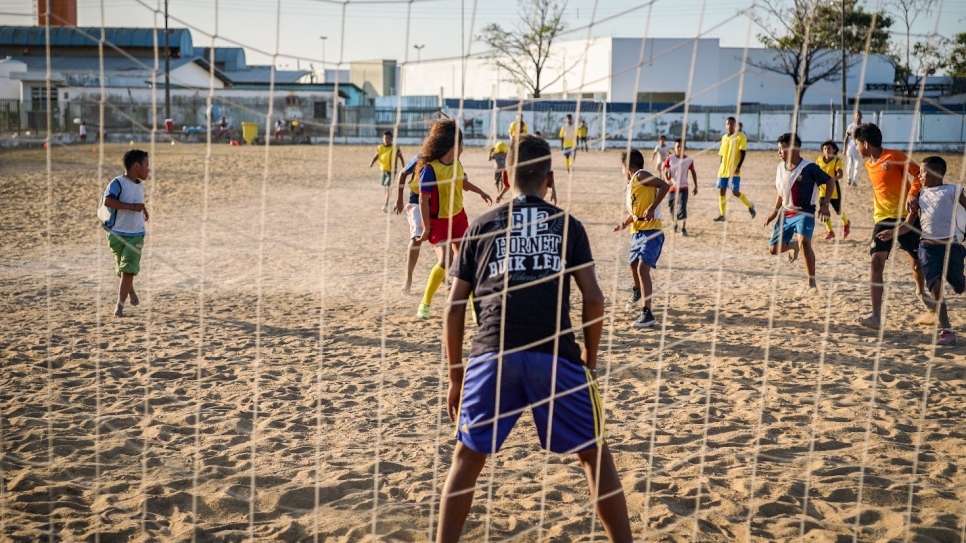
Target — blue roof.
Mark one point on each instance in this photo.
(36, 36)
(233, 58)
(262, 75)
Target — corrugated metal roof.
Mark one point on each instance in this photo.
(262, 75)
(36, 36)
(233, 58)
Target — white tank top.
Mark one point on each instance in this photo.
(940, 215)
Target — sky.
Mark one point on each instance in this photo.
(389, 29)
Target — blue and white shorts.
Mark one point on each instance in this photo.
(525, 379)
(787, 227)
(646, 247)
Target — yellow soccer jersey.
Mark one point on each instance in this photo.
(730, 153)
(639, 198)
(830, 168)
(443, 183)
(568, 133)
(517, 130)
(581, 131)
(386, 154)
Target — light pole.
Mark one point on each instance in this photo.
(167, 66)
(845, 101)
(323, 38)
(418, 49)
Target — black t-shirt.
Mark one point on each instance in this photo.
(542, 241)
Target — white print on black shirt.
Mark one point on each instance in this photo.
(532, 247)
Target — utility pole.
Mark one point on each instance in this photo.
(323, 38)
(167, 66)
(845, 99)
(418, 49)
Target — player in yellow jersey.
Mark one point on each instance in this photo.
(441, 185)
(734, 145)
(385, 153)
(645, 192)
(831, 164)
(582, 135)
(517, 127)
(568, 141)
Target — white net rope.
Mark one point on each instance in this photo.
(256, 370)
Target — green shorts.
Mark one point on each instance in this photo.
(386, 179)
(127, 253)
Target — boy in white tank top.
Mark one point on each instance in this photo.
(942, 216)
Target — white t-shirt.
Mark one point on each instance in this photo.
(678, 169)
(940, 214)
(662, 151)
(850, 131)
(125, 222)
(83, 130)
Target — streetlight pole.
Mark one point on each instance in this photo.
(167, 66)
(844, 73)
(418, 49)
(323, 38)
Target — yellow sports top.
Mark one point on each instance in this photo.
(639, 198)
(830, 167)
(386, 154)
(568, 133)
(517, 131)
(730, 153)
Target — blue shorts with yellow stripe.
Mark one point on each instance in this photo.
(567, 410)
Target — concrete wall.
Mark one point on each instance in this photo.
(10, 87)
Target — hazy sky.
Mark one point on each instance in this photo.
(377, 29)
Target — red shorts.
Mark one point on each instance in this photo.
(506, 179)
(448, 230)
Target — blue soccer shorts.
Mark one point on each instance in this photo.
(524, 379)
(787, 227)
(646, 247)
(735, 182)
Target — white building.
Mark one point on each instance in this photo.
(658, 70)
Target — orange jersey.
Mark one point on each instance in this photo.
(887, 176)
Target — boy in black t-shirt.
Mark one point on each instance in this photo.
(511, 261)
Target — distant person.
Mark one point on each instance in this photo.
(412, 216)
(659, 155)
(734, 145)
(280, 129)
(831, 164)
(582, 135)
(386, 152)
(517, 128)
(853, 159)
(538, 134)
(676, 169)
(500, 178)
(894, 178)
(83, 131)
(937, 210)
(441, 185)
(517, 261)
(124, 197)
(643, 198)
(568, 141)
(797, 181)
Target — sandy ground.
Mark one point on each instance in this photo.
(276, 385)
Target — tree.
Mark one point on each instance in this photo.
(927, 58)
(956, 63)
(807, 34)
(522, 52)
(907, 12)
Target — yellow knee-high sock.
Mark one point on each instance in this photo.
(567, 163)
(744, 199)
(845, 220)
(722, 203)
(436, 277)
(828, 225)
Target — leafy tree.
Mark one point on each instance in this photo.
(907, 11)
(523, 51)
(807, 38)
(956, 63)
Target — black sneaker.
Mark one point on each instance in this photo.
(635, 299)
(675, 229)
(646, 320)
(684, 231)
(752, 211)
(720, 218)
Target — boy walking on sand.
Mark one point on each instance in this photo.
(512, 262)
(939, 213)
(643, 200)
(676, 169)
(734, 145)
(124, 197)
(386, 152)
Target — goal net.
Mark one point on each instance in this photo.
(274, 382)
